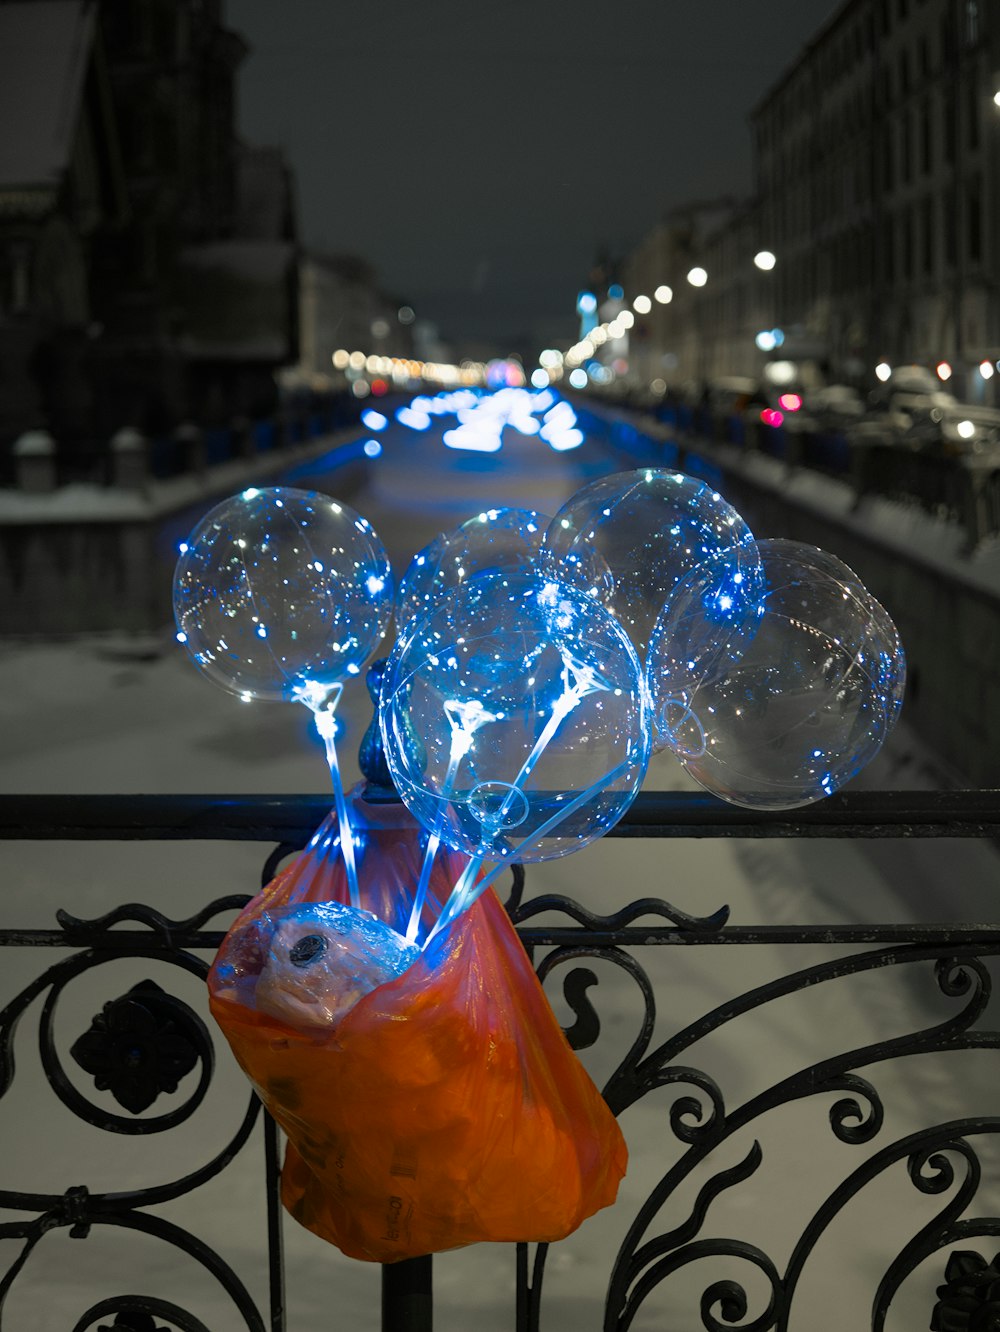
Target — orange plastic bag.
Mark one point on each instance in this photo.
(446, 1106)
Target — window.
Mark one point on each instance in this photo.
(950, 124)
(971, 22)
(972, 109)
(974, 221)
(928, 234)
(926, 139)
(906, 243)
(950, 230)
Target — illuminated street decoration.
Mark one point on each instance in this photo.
(283, 594)
(785, 705)
(368, 986)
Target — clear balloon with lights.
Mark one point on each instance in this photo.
(797, 699)
(281, 593)
(503, 540)
(284, 594)
(651, 528)
(513, 719)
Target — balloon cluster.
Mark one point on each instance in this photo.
(539, 662)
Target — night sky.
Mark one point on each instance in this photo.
(479, 155)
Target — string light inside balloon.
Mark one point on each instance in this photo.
(538, 662)
(284, 594)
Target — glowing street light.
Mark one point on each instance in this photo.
(764, 260)
(882, 371)
(664, 294)
(642, 305)
(697, 277)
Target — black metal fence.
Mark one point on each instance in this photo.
(147, 1048)
(960, 487)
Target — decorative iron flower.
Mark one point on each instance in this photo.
(970, 1299)
(138, 1047)
(132, 1322)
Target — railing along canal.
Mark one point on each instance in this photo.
(147, 1043)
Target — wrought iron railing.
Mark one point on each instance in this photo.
(146, 1043)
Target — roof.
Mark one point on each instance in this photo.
(44, 51)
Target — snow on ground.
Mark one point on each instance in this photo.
(111, 715)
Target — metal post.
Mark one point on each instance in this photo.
(407, 1300)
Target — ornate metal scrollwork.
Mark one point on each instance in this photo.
(969, 1300)
(141, 1045)
(139, 1313)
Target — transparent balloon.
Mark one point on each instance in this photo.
(798, 699)
(651, 527)
(513, 719)
(281, 593)
(710, 615)
(506, 540)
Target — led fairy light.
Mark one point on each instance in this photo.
(513, 721)
(539, 661)
(283, 594)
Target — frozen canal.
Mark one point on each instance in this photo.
(108, 716)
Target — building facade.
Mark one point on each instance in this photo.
(147, 256)
(877, 190)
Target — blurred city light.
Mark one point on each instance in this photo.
(943, 370)
(626, 319)
(764, 260)
(780, 372)
(965, 429)
(416, 420)
(405, 314)
(986, 369)
(697, 277)
(373, 420)
(616, 292)
(642, 304)
(372, 448)
(790, 401)
(341, 359)
(664, 294)
(539, 377)
(586, 302)
(770, 416)
(578, 378)
(882, 371)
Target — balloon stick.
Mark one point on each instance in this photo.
(464, 720)
(326, 725)
(466, 890)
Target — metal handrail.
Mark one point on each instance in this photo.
(287, 822)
